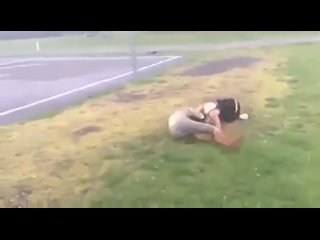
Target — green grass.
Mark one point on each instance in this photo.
(120, 41)
(154, 38)
(278, 165)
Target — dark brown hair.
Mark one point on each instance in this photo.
(229, 109)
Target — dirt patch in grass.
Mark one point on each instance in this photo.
(129, 97)
(86, 130)
(150, 94)
(220, 66)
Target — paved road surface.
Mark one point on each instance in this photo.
(31, 87)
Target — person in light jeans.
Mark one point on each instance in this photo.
(205, 122)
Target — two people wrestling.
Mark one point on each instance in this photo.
(206, 121)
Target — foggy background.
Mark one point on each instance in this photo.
(14, 35)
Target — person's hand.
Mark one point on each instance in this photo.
(192, 113)
(201, 116)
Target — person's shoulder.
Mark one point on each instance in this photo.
(208, 107)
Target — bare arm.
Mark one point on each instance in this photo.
(194, 113)
(214, 119)
(200, 109)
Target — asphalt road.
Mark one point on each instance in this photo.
(32, 87)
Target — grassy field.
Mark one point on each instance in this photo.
(120, 41)
(112, 153)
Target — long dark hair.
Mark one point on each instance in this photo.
(229, 109)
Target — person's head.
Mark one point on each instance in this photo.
(229, 109)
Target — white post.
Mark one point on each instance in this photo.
(133, 51)
(37, 46)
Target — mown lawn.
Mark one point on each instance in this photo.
(276, 167)
(123, 156)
